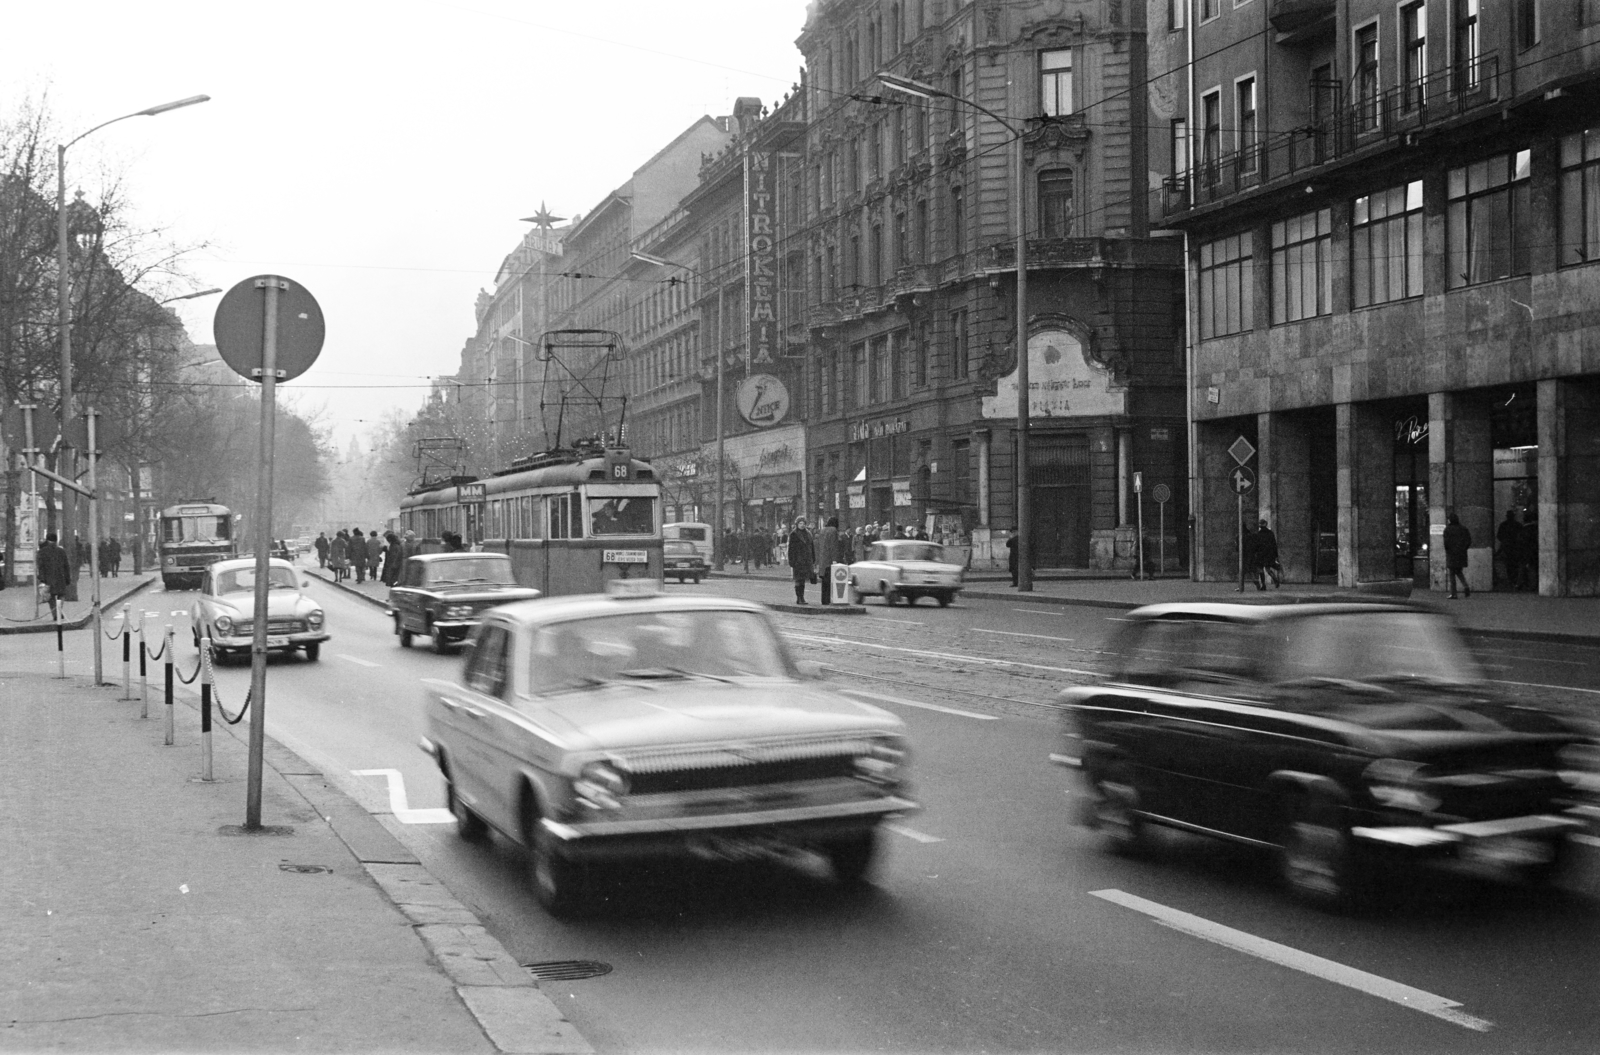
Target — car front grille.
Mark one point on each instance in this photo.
(274, 626)
(706, 767)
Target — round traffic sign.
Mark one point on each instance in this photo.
(239, 327)
(1161, 493)
(1242, 480)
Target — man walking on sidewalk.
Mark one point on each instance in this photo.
(54, 571)
(1457, 540)
(802, 558)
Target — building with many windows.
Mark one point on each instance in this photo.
(1392, 229)
(911, 391)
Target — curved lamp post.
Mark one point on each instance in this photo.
(921, 90)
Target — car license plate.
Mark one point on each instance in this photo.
(623, 556)
(276, 641)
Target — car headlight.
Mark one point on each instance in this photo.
(601, 786)
(1400, 784)
(314, 619)
(458, 611)
(222, 624)
(881, 762)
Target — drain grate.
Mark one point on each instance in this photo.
(567, 970)
(310, 870)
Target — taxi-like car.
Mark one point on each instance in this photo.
(444, 595)
(681, 560)
(606, 728)
(907, 569)
(1348, 739)
(225, 609)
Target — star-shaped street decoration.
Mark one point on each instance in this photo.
(543, 218)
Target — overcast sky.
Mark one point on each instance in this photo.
(380, 153)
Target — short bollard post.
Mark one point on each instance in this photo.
(170, 659)
(205, 711)
(127, 656)
(144, 679)
(61, 644)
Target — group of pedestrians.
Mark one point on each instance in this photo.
(1517, 546)
(350, 553)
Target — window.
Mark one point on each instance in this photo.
(1580, 197)
(1527, 23)
(958, 345)
(920, 336)
(1180, 147)
(1302, 269)
(899, 353)
(486, 664)
(1208, 10)
(1055, 203)
(958, 222)
(920, 247)
(1055, 82)
(1386, 246)
(855, 165)
(902, 241)
(853, 263)
(1227, 301)
(874, 150)
(1245, 97)
(1177, 14)
(858, 377)
(1365, 82)
(1488, 219)
(878, 367)
(875, 255)
(1466, 45)
(1414, 32)
(1211, 142)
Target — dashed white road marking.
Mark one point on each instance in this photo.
(356, 660)
(1039, 610)
(907, 622)
(397, 799)
(881, 698)
(912, 833)
(941, 655)
(1585, 840)
(1294, 959)
(1012, 633)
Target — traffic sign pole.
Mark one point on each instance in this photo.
(271, 285)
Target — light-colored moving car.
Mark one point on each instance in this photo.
(604, 728)
(225, 609)
(907, 569)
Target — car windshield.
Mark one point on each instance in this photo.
(678, 549)
(242, 579)
(653, 646)
(1372, 647)
(917, 551)
(471, 569)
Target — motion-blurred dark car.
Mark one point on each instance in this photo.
(682, 560)
(443, 595)
(602, 728)
(1341, 736)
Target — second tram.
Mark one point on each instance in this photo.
(570, 520)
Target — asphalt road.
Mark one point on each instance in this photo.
(996, 923)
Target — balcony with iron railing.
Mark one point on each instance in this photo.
(1363, 126)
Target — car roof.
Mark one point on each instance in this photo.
(584, 606)
(1277, 607)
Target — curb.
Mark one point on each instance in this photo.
(502, 997)
(81, 621)
(349, 589)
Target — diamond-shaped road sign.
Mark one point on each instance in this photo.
(1242, 450)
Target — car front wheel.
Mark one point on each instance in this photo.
(944, 600)
(313, 651)
(1116, 812)
(1318, 860)
(469, 825)
(557, 880)
(852, 856)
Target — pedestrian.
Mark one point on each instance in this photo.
(114, 548)
(374, 554)
(391, 558)
(1267, 559)
(54, 572)
(1457, 540)
(357, 551)
(1508, 540)
(322, 546)
(338, 554)
(827, 556)
(1529, 550)
(802, 559)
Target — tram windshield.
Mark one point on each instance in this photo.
(622, 516)
(195, 528)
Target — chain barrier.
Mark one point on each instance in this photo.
(116, 634)
(153, 656)
(216, 692)
(199, 663)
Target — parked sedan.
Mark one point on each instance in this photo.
(606, 728)
(225, 609)
(906, 568)
(1340, 736)
(444, 595)
(682, 560)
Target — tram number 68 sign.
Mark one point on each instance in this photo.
(1242, 480)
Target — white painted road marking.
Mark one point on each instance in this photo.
(907, 622)
(353, 659)
(880, 697)
(1039, 610)
(941, 655)
(1294, 959)
(1012, 633)
(912, 833)
(1542, 685)
(1585, 840)
(397, 799)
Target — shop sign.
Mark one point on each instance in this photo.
(1411, 430)
(762, 399)
(1516, 463)
(858, 500)
(902, 492)
(1062, 382)
(864, 430)
(760, 259)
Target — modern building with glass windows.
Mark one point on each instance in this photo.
(1394, 271)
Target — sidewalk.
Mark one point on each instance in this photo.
(18, 614)
(141, 918)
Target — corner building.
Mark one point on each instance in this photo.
(911, 395)
(1393, 220)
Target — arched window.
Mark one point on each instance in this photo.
(1056, 205)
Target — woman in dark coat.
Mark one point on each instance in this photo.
(802, 558)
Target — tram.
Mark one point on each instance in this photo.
(571, 519)
(194, 535)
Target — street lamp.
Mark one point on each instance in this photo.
(63, 325)
(191, 296)
(921, 90)
(718, 557)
